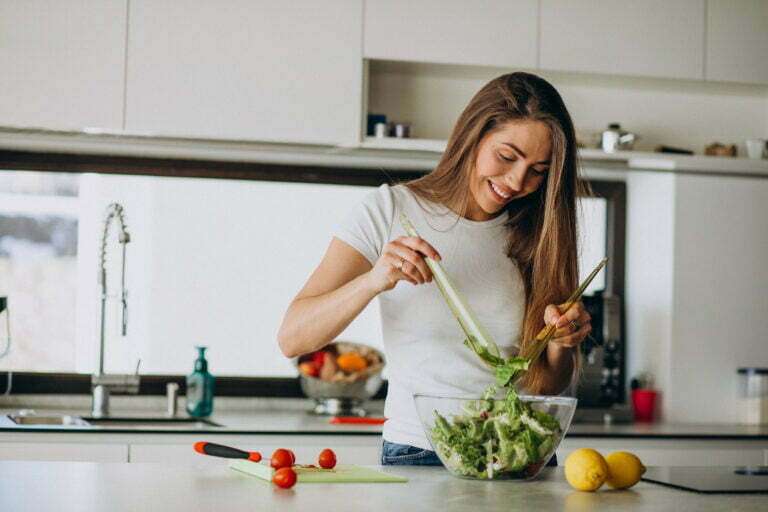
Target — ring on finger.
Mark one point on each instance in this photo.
(575, 325)
(402, 264)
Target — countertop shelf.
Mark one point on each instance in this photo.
(631, 159)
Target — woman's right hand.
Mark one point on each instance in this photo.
(402, 259)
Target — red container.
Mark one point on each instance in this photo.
(644, 404)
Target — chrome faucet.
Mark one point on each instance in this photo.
(102, 383)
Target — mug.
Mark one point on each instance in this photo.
(756, 148)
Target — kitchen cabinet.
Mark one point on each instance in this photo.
(491, 33)
(64, 451)
(737, 41)
(269, 70)
(62, 64)
(654, 38)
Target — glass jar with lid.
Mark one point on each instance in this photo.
(753, 395)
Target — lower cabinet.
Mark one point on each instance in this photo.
(58, 451)
(350, 449)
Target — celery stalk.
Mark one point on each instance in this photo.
(475, 332)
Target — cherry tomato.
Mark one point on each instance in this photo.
(327, 459)
(282, 458)
(284, 477)
(319, 358)
(309, 369)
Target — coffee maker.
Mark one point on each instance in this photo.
(601, 388)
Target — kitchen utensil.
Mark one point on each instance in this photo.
(561, 408)
(614, 139)
(345, 473)
(381, 130)
(402, 130)
(374, 119)
(753, 395)
(343, 398)
(644, 404)
(548, 332)
(227, 452)
(757, 148)
(356, 420)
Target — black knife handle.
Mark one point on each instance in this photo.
(219, 450)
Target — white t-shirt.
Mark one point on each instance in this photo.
(423, 342)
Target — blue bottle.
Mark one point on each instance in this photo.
(200, 388)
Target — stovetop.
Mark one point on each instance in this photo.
(725, 479)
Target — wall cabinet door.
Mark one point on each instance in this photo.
(56, 451)
(62, 64)
(737, 40)
(650, 38)
(491, 32)
(266, 70)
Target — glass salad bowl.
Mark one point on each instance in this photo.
(508, 437)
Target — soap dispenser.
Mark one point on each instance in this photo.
(200, 386)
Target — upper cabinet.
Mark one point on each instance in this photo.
(655, 38)
(737, 40)
(272, 71)
(490, 33)
(62, 64)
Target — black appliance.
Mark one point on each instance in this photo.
(604, 354)
(710, 480)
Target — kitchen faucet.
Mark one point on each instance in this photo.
(101, 383)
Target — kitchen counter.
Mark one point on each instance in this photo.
(82, 487)
(291, 416)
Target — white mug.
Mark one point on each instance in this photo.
(756, 148)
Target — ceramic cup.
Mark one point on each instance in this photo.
(756, 148)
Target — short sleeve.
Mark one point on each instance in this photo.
(368, 226)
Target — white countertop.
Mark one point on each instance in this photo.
(84, 487)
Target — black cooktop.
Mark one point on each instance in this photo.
(726, 479)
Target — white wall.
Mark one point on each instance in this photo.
(672, 112)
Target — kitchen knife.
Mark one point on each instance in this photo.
(227, 452)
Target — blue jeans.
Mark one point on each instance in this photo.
(393, 454)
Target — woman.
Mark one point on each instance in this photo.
(499, 211)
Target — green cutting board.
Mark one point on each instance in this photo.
(345, 473)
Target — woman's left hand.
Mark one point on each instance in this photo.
(572, 327)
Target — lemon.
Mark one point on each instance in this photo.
(625, 469)
(586, 469)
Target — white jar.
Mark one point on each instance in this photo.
(753, 395)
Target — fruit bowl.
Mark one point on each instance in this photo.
(501, 438)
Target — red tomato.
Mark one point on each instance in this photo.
(327, 459)
(319, 358)
(282, 458)
(284, 477)
(293, 456)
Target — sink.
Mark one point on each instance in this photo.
(151, 422)
(112, 422)
(52, 420)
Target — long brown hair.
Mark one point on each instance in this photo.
(542, 225)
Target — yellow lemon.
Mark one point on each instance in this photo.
(586, 469)
(625, 469)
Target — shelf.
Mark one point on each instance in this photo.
(632, 159)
